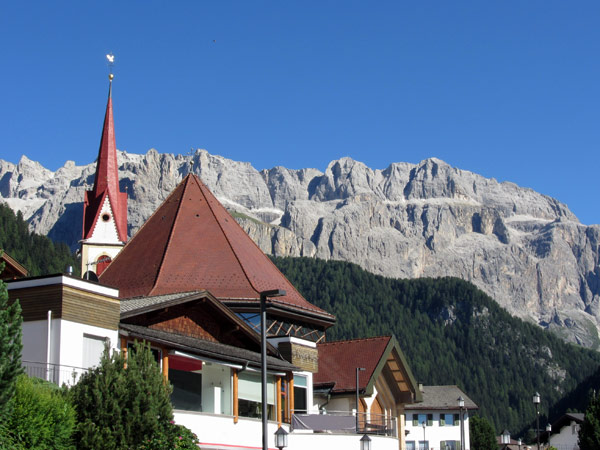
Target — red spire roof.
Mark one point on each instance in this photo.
(106, 181)
(192, 243)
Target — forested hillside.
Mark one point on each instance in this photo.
(37, 253)
(451, 333)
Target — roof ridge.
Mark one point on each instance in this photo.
(235, 255)
(346, 341)
(169, 239)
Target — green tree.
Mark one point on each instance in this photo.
(121, 408)
(482, 434)
(10, 348)
(41, 417)
(589, 433)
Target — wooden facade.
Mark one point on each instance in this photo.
(67, 303)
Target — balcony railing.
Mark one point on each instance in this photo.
(345, 422)
(55, 373)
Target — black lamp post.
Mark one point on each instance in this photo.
(281, 438)
(536, 402)
(263, 358)
(425, 446)
(461, 406)
(358, 369)
(365, 443)
(520, 443)
(549, 432)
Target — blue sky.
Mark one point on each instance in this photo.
(507, 89)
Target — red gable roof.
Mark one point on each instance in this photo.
(338, 362)
(192, 243)
(106, 182)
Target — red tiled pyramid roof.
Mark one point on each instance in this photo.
(192, 243)
(338, 362)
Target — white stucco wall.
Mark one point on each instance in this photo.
(218, 429)
(435, 433)
(105, 231)
(66, 348)
(567, 438)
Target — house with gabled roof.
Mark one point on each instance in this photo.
(564, 432)
(436, 421)
(371, 373)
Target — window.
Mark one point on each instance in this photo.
(429, 420)
(456, 419)
(187, 390)
(185, 374)
(300, 394)
(410, 445)
(423, 445)
(450, 445)
(249, 395)
(93, 346)
(446, 420)
(422, 419)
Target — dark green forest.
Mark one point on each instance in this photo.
(37, 253)
(452, 333)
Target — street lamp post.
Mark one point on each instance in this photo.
(506, 438)
(425, 446)
(365, 443)
(358, 369)
(263, 358)
(536, 402)
(461, 405)
(281, 438)
(549, 432)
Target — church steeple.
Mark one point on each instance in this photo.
(105, 206)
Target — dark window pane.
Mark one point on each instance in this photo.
(187, 390)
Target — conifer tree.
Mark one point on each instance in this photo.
(121, 408)
(10, 348)
(482, 434)
(589, 433)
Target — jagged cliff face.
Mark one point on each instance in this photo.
(526, 250)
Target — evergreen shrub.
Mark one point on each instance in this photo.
(41, 418)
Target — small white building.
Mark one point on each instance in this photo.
(66, 324)
(565, 432)
(435, 423)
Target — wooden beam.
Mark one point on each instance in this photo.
(278, 403)
(236, 409)
(291, 395)
(165, 365)
(124, 349)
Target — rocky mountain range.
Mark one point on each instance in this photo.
(525, 249)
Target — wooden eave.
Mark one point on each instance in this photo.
(394, 367)
(12, 267)
(236, 323)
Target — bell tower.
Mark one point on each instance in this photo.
(105, 206)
